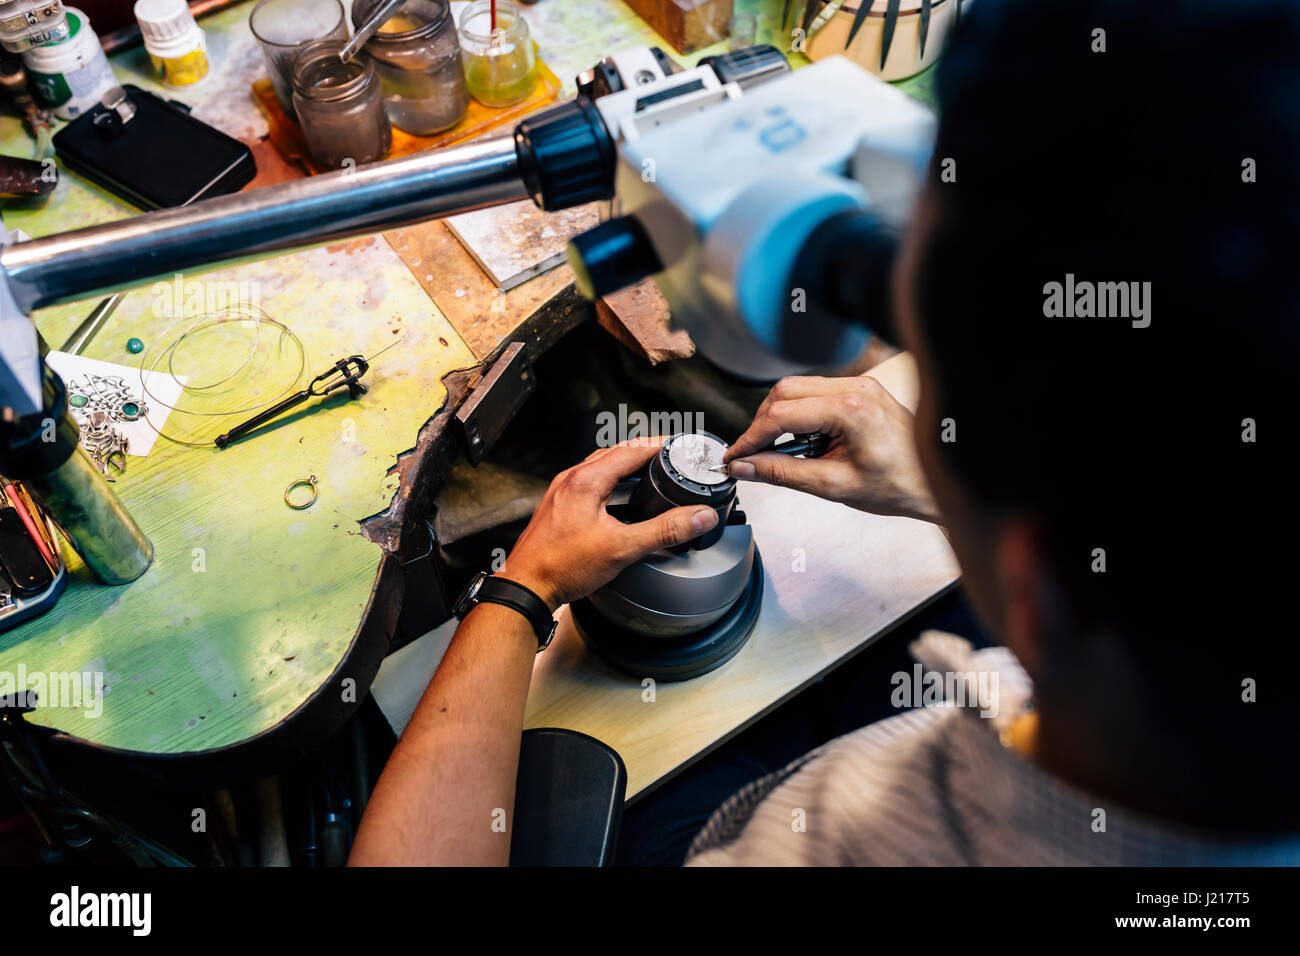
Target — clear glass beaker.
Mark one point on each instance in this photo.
(283, 27)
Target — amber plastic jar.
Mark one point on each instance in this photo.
(340, 106)
(417, 56)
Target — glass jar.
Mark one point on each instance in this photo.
(283, 28)
(418, 59)
(498, 62)
(340, 106)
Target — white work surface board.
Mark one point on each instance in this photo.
(835, 579)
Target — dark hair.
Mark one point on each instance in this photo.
(1128, 162)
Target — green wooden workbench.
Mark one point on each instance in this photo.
(258, 628)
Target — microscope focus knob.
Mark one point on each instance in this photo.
(566, 155)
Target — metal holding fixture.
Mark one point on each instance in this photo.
(494, 400)
(680, 613)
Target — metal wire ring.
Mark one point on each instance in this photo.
(300, 482)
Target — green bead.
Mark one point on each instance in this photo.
(78, 401)
(135, 346)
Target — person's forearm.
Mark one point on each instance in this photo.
(446, 796)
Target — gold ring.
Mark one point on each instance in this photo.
(315, 492)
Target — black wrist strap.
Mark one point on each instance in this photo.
(495, 590)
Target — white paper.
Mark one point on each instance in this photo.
(405, 674)
(87, 375)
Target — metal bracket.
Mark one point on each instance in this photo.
(118, 110)
(495, 401)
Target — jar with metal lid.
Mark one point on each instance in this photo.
(28, 23)
(417, 56)
(340, 106)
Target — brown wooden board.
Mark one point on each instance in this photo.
(475, 307)
(638, 317)
(688, 25)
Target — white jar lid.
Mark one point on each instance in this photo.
(164, 22)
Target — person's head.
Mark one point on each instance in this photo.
(1110, 482)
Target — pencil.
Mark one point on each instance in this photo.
(42, 522)
(29, 523)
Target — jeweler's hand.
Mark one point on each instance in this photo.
(871, 464)
(572, 545)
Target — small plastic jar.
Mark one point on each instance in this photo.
(174, 41)
(70, 75)
(418, 61)
(340, 106)
(498, 62)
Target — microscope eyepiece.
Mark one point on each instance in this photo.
(845, 268)
(612, 256)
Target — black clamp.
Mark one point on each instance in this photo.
(351, 369)
(114, 112)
